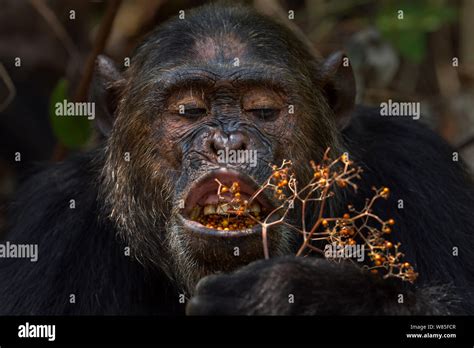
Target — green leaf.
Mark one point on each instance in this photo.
(72, 131)
(411, 45)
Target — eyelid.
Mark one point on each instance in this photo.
(188, 98)
(263, 107)
(266, 114)
(265, 100)
(187, 104)
(193, 105)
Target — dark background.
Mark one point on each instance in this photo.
(405, 60)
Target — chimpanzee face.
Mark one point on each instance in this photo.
(204, 106)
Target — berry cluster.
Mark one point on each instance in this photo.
(362, 227)
(365, 228)
(236, 214)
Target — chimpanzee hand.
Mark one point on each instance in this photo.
(306, 286)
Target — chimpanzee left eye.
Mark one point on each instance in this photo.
(195, 112)
(264, 113)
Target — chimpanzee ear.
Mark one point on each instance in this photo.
(106, 88)
(339, 85)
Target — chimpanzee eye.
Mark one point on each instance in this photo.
(191, 111)
(194, 112)
(264, 113)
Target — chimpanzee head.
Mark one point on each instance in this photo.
(221, 80)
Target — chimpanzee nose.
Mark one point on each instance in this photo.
(231, 141)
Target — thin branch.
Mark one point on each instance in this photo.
(82, 90)
(10, 87)
(466, 143)
(99, 45)
(50, 17)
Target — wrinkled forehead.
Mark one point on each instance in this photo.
(230, 45)
(225, 61)
(208, 59)
(223, 49)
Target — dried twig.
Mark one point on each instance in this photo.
(356, 227)
(10, 87)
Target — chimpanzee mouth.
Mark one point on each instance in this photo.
(231, 211)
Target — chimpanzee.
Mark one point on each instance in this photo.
(225, 77)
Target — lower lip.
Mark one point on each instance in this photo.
(199, 228)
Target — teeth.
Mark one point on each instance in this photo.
(209, 209)
(195, 212)
(255, 208)
(222, 209)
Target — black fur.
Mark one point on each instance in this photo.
(80, 254)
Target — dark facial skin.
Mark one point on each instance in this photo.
(176, 112)
(223, 110)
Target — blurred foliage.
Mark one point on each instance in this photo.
(73, 132)
(420, 17)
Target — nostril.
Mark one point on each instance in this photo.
(238, 141)
(213, 147)
(219, 141)
(233, 141)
